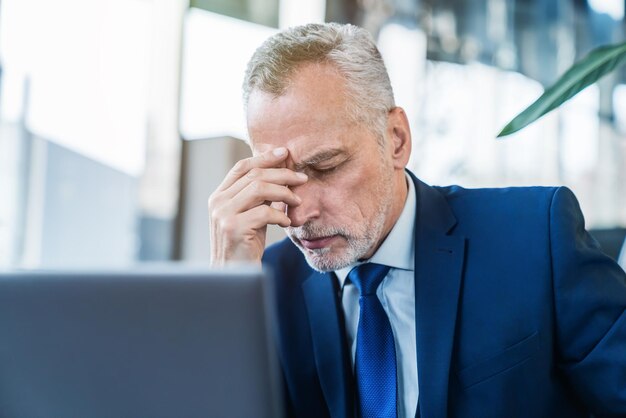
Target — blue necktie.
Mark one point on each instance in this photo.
(375, 361)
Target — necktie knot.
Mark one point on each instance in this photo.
(367, 277)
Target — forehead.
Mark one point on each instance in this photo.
(325, 142)
(311, 114)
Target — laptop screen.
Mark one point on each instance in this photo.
(145, 343)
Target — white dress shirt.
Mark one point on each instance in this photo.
(397, 295)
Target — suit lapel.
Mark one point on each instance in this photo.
(438, 271)
(331, 357)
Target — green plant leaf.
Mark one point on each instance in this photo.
(587, 71)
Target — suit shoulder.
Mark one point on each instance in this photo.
(454, 192)
(535, 198)
(504, 208)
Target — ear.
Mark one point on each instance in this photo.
(399, 137)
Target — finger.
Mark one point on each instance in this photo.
(268, 159)
(263, 215)
(257, 193)
(279, 206)
(280, 176)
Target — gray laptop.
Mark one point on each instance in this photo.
(150, 343)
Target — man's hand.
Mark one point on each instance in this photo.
(239, 210)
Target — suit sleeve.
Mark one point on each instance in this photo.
(590, 308)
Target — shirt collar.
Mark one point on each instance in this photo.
(398, 249)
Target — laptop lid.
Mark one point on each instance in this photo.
(138, 343)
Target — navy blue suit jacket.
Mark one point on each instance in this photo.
(518, 313)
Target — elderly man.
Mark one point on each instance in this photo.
(395, 298)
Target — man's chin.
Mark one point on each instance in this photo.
(325, 259)
(323, 264)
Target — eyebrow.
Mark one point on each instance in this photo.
(318, 158)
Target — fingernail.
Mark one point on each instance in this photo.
(302, 176)
(279, 152)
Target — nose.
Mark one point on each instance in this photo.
(308, 209)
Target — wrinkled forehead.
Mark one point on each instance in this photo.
(309, 147)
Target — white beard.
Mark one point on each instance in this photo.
(360, 241)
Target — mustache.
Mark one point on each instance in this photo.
(310, 231)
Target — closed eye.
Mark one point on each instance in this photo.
(326, 167)
(324, 170)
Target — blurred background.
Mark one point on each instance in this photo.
(118, 118)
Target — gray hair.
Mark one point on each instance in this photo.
(350, 49)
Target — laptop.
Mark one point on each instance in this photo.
(156, 342)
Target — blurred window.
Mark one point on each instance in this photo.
(212, 74)
(262, 12)
(78, 95)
